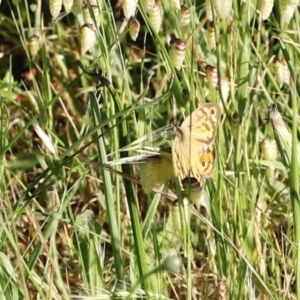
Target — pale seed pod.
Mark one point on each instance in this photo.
(281, 70)
(193, 190)
(156, 17)
(211, 37)
(265, 9)
(148, 5)
(45, 138)
(222, 8)
(129, 8)
(175, 214)
(184, 17)
(282, 135)
(33, 101)
(287, 9)
(55, 7)
(96, 13)
(177, 52)
(268, 149)
(175, 4)
(134, 28)
(87, 38)
(208, 10)
(88, 17)
(269, 152)
(33, 45)
(68, 5)
(212, 75)
(76, 8)
(225, 88)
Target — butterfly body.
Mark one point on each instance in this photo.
(194, 143)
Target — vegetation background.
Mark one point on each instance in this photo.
(71, 227)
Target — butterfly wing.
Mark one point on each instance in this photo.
(194, 149)
(202, 124)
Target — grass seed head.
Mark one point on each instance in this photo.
(134, 28)
(33, 45)
(156, 17)
(212, 75)
(282, 135)
(222, 8)
(281, 70)
(177, 52)
(287, 9)
(184, 17)
(266, 7)
(87, 38)
(211, 37)
(68, 5)
(55, 7)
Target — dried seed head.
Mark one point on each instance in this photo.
(129, 8)
(55, 7)
(184, 17)
(148, 5)
(208, 9)
(193, 190)
(88, 12)
(68, 5)
(282, 135)
(266, 7)
(175, 4)
(134, 28)
(87, 38)
(45, 138)
(222, 8)
(177, 52)
(287, 9)
(225, 88)
(33, 101)
(175, 214)
(33, 45)
(281, 71)
(211, 37)
(268, 149)
(212, 75)
(76, 8)
(156, 17)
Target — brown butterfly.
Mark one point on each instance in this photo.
(194, 143)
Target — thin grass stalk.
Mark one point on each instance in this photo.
(294, 187)
(135, 222)
(294, 177)
(150, 214)
(110, 205)
(242, 98)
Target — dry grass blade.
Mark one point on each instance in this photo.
(282, 135)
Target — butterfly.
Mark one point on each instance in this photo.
(194, 143)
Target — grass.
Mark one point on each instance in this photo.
(76, 224)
